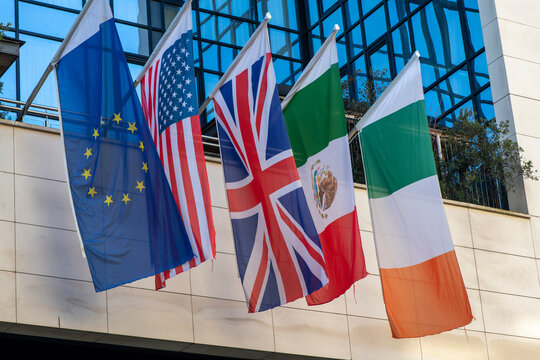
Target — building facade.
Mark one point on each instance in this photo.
(46, 290)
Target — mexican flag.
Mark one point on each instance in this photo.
(422, 284)
(315, 121)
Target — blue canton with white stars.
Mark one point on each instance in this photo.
(177, 90)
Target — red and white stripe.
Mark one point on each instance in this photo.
(181, 151)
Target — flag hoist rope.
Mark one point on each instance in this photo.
(54, 60)
(235, 61)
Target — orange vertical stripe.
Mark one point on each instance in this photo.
(427, 298)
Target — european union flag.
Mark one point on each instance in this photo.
(125, 211)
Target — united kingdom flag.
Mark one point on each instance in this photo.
(277, 247)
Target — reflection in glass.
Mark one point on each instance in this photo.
(356, 40)
(7, 9)
(397, 11)
(283, 12)
(402, 46)
(367, 5)
(133, 39)
(44, 20)
(240, 8)
(480, 75)
(131, 10)
(34, 58)
(375, 25)
(485, 101)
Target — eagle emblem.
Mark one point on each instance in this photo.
(324, 185)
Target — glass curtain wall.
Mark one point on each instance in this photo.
(221, 28)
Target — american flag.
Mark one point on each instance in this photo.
(169, 98)
(277, 247)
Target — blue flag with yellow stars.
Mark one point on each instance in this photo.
(125, 211)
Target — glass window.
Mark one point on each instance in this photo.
(330, 21)
(73, 4)
(284, 43)
(402, 47)
(313, 12)
(44, 20)
(341, 50)
(283, 12)
(169, 12)
(479, 73)
(222, 29)
(356, 40)
(475, 29)
(397, 11)
(239, 8)
(485, 101)
(155, 14)
(7, 9)
(380, 70)
(285, 71)
(438, 38)
(327, 4)
(353, 13)
(375, 25)
(367, 5)
(133, 39)
(35, 56)
(131, 10)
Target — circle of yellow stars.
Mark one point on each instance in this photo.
(88, 154)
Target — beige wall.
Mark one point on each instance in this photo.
(45, 285)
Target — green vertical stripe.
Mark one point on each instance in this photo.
(397, 150)
(315, 116)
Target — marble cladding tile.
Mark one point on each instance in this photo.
(6, 148)
(61, 303)
(535, 229)
(224, 233)
(362, 209)
(502, 347)
(477, 324)
(311, 333)
(7, 297)
(370, 253)
(337, 305)
(524, 12)
(487, 11)
(366, 298)
(39, 154)
(518, 73)
(498, 79)
(458, 222)
(7, 199)
(501, 233)
(149, 314)
(218, 278)
(371, 339)
(7, 245)
(467, 265)
(492, 41)
(511, 314)
(50, 252)
(455, 344)
(227, 323)
(521, 109)
(179, 283)
(43, 202)
(505, 273)
(217, 184)
(530, 146)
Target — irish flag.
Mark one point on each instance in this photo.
(315, 121)
(422, 285)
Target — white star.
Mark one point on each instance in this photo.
(183, 50)
(184, 104)
(187, 67)
(188, 81)
(189, 95)
(175, 108)
(174, 94)
(190, 109)
(187, 54)
(178, 72)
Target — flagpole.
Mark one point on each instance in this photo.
(159, 45)
(308, 68)
(54, 60)
(357, 127)
(235, 61)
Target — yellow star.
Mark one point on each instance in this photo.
(101, 121)
(117, 118)
(140, 185)
(141, 146)
(126, 198)
(132, 127)
(88, 153)
(145, 167)
(86, 174)
(95, 134)
(108, 200)
(92, 191)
